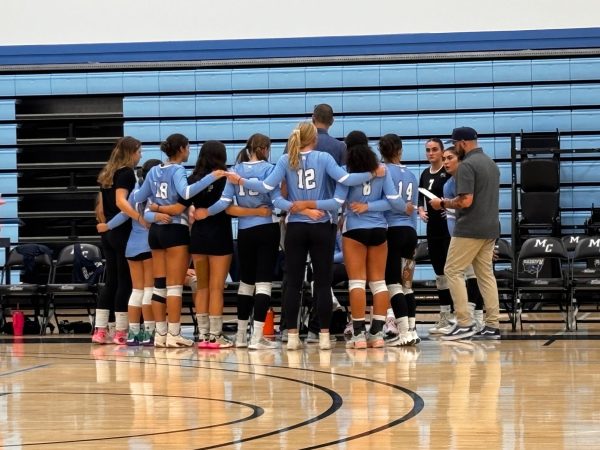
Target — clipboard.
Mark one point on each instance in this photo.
(427, 193)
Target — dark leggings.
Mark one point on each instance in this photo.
(258, 248)
(302, 239)
(438, 251)
(117, 285)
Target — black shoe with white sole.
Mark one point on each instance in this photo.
(459, 332)
(487, 333)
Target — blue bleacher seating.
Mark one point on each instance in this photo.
(551, 95)
(287, 103)
(359, 76)
(33, 85)
(357, 101)
(140, 82)
(509, 71)
(68, 83)
(473, 72)
(177, 106)
(475, 98)
(551, 69)
(436, 99)
(287, 78)
(213, 80)
(214, 105)
(324, 77)
(7, 85)
(176, 81)
(141, 107)
(221, 130)
(8, 134)
(8, 159)
(249, 79)
(250, 105)
(398, 75)
(7, 109)
(437, 73)
(105, 83)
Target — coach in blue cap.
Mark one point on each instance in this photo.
(475, 233)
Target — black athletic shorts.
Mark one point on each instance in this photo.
(369, 237)
(402, 242)
(166, 236)
(209, 239)
(141, 257)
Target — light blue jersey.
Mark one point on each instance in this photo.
(138, 238)
(247, 198)
(408, 187)
(311, 181)
(164, 185)
(450, 192)
(379, 194)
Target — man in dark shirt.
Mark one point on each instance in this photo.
(474, 236)
(322, 118)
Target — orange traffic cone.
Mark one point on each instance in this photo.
(269, 328)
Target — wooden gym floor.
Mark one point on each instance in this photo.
(536, 389)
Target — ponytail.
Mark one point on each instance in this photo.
(255, 142)
(302, 136)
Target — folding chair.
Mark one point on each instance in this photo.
(30, 294)
(585, 277)
(63, 293)
(504, 273)
(541, 278)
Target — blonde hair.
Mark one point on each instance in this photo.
(302, 136)
(121, 156)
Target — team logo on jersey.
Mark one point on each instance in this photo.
(443, 175)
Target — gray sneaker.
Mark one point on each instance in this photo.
(487, 333)
(459, 332)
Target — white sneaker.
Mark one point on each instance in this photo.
(241, 340)
(174, 341)
(444, 325)
(294, 342)
(402, 340)
(415, 337)
(326, 341)
(358, 341)
(390, 328)
(349, 330)
(261, 344)
(160, 340)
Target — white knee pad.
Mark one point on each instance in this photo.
(469, 272)
(147, 298)
(175, 291)
(159, 294)
(264, 288)
(395, 289)
(357, 284)
(440, 282)
(377, 286)
(135, 299)
(245, 289)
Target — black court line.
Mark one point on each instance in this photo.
(26, 369)
(418, 402)
(549, 342)
(257, 411)
(337, 402)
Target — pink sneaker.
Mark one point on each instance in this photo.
(101, 336)
(120, 337)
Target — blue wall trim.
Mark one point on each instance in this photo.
(301, 47)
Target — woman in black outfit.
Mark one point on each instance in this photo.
(117, 179)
